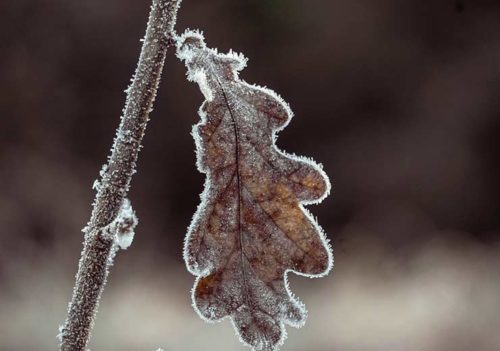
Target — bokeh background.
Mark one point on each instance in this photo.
(398, 99)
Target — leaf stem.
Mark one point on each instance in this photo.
(99, 245)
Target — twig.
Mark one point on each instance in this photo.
(100, 233)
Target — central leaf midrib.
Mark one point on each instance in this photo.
(238, 180)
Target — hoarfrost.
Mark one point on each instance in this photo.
(59, 335)
(200, 77)
(122, 227)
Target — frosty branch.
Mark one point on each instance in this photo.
(112, 220)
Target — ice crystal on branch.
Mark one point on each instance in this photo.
(124, 224)
(251, 228)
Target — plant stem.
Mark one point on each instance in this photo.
(99, 245)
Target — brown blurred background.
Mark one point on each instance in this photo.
(399, 99)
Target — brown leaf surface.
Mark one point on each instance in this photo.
(250, 228)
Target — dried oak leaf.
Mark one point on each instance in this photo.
(250, 229)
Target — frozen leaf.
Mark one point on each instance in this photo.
(250, 229)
